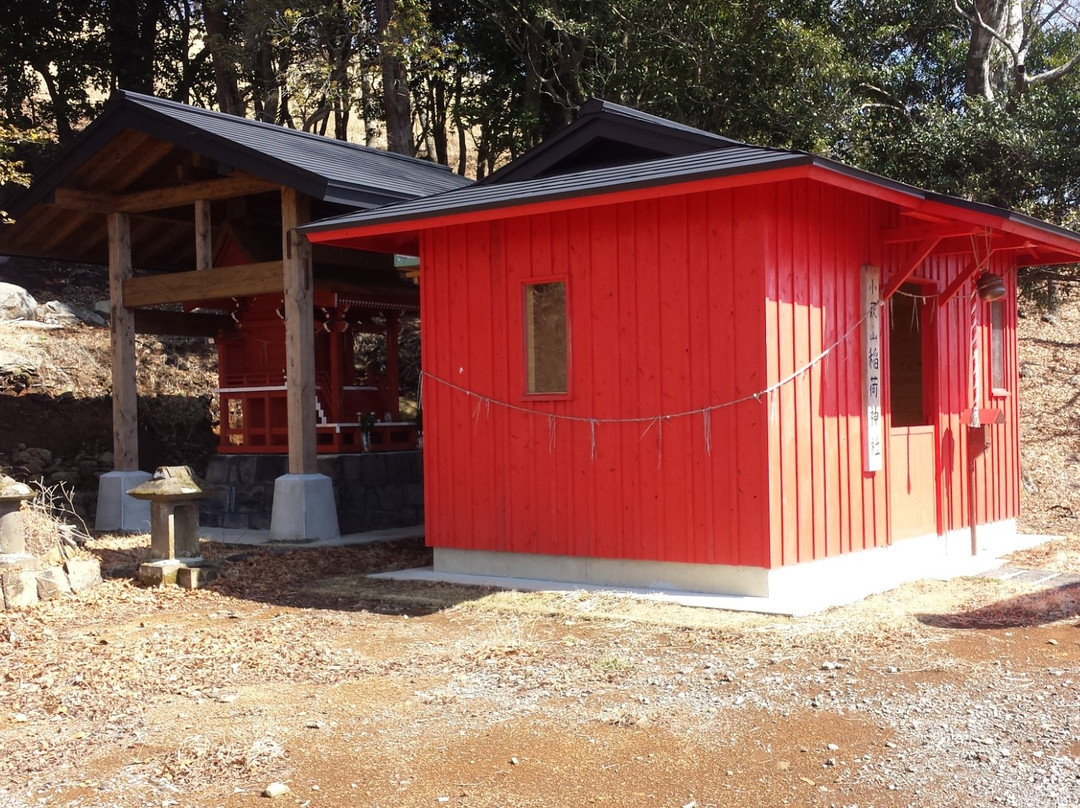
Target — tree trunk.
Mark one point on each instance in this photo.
(226, 78)
(982, 78)
(132, 33)
(395, 84)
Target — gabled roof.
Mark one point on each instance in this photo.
(141, 145)
(606, 134)
(323, 168)
(738, 164)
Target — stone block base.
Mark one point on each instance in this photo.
(304, 508)
(190, 573)
(116, 510)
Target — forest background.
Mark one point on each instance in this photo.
(976, 99)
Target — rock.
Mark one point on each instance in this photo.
(16, 303)
(83, 573)
(275, 790)
(19, 588)
(65, 314)
(16, 371)
(52, 583)
(832, 747)
(158, 573)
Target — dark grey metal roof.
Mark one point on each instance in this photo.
(606, 134)
(326, 169)
(733, 160)
(730, 161)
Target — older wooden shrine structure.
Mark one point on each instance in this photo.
(658, 357)
(195, 213)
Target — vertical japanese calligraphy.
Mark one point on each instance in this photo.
(873, 430)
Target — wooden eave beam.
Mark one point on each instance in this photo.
(922, 232)
(921, 253)
(243, 280)
(162, 198)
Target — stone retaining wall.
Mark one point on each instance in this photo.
(373, 491)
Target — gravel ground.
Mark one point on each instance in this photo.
(294, 669)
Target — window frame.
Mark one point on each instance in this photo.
(997, 391)
(526, 394)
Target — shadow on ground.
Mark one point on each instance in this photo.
(1048, 605)
(316, 578)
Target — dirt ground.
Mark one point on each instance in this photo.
(294, 668)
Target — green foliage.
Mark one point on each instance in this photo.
(12, 169)
(883, 84)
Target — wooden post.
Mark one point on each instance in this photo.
(393, 375)
(122, 329)
(299, 334)
(204, 238)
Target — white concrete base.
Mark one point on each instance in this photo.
(304, 508)
(116, 510)
(795, 590)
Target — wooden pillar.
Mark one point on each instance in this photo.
(299, 334)
(204, 238)
(122, 329)
(393, 374)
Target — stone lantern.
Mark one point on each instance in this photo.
(12, 530)
(173, 493)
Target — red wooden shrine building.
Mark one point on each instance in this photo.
(195, 213)
(658, 357)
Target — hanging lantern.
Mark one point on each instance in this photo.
(990, 287)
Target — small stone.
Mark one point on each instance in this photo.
(19, 588)
(514, 761)
(832, 747)
(83, 573)
(19, 718)
(275, 790)
(52, 583)
(830, 762)
(1051, 641)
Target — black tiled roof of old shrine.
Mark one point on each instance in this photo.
(325, 169)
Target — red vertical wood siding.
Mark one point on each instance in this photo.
(666, 313)
(676, 305)
(822, 502)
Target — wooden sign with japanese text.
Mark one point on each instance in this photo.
(873, 427)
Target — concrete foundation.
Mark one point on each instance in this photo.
(304, 508)
(116, 510)
(798, 589)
